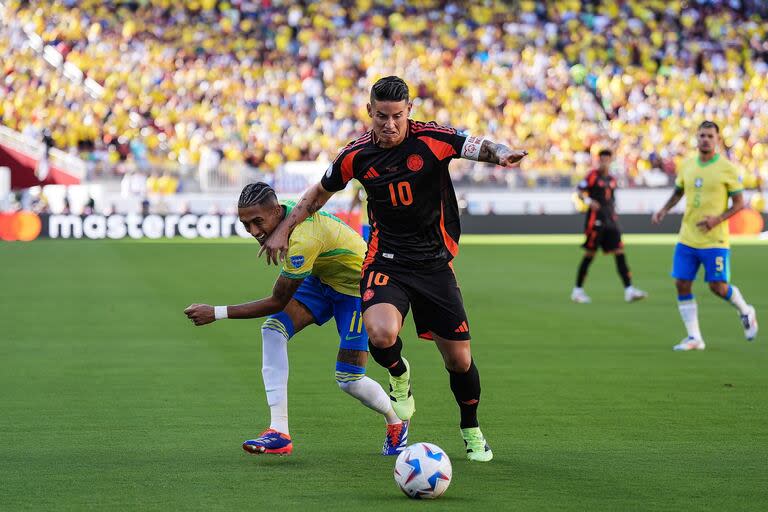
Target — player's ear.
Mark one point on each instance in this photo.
(410, 106)
(369, 108)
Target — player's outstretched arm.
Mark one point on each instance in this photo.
(675, 198)
(202, 314)
(709, 222)
(276, 246)
(500, 154)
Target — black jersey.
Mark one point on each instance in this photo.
(411, 202)
(603, 190)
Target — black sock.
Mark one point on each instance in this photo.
(389, 357)
(585, 263)
(466, 390)
(621, 266)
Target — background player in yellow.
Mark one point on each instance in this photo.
(708, 180)
(319, 281)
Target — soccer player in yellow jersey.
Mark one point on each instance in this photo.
(319, 281)
(708, 180)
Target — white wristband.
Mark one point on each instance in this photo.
(220, 312)
(471, 148)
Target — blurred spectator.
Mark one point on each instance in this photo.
(90, 206)
(43, 164)
(153, 185)
(167, 184)
(134, 184)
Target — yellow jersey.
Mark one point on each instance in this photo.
(325, 247)
(707, 187)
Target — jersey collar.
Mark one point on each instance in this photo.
(708, 162)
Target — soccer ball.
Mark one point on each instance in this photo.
(423, 470)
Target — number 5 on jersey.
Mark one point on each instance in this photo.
(403, 193)
(719, 264)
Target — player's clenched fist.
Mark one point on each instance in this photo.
(200, 314)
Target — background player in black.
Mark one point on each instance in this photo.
(415, 229)
(602, 229)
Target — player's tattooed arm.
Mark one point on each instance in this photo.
(202, 314)
(709, 222)
(282, 293)
(276, 246)
(500, 154)
(675, 198)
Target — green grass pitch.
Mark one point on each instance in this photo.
(112, 400)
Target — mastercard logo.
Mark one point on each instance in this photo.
(23, 226)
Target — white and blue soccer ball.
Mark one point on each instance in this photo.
(423, 471)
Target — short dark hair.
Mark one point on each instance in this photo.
(390, 88)
(605, 152)
(256, 193)
(709, 124)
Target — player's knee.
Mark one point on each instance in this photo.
(683, 287)
(719, 288)
(458, 363)
(381, 333)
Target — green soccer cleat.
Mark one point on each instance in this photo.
(477, 448)
(400, 394)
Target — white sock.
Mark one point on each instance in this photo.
(274, 370)
(689, 312)
(372, 395)
(738, 301)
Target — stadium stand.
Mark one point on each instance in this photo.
(148, 84)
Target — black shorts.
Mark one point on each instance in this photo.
(607, 238)
(434, 296)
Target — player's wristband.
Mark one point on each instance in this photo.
(220, 312)
(471, 148)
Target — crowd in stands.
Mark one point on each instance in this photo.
(265, 82)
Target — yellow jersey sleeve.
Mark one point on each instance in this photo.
(303, 249)
(680, 180)
(734, 180)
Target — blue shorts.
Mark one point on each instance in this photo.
(325, 303)
(716, 261)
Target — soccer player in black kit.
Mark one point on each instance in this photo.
(403, 165)
(601, 228)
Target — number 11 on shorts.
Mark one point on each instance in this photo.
(359, 323)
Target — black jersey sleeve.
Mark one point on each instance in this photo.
(444, 142)
(588, 183)
(339, 172)
(342, 169)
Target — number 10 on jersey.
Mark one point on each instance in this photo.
(402, 192)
